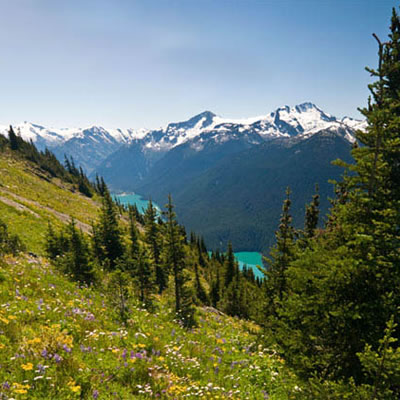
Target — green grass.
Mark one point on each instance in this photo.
(42, 195)
(59, 341)
(62, 341)
(22, 179)
(26, 226)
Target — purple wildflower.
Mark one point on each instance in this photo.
(44, 353)
(41, 368)
(57, 358)
(6, 385)
(66, 348)
(89, 317)
(95, 394)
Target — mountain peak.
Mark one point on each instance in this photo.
(302, 107)
(205, 114)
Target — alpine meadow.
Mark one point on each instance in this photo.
(146, 298)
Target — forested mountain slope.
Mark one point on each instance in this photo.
(68, 331)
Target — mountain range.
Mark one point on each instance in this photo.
(227, 176)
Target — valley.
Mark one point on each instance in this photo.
(227, 177)
(249, 259)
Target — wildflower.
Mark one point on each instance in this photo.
(57, 358)
(6, 385)
(66, 348)
(27, 367)
(44, 353)
(95, 394)
(41, 368)
(20, 391)
(34, 341)
(76, 388)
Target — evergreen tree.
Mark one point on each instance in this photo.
(144, 277)
(193, 239)
(174, 256)
(13, 138)
(77, 259)
(231, 301)
(345, 287)
(203, 247)
(230, 266)
(55, 244)
(133, 236)
(152, 238)
(312, 216)
(119, 294)
(215, 291)
(281, 256)
(200, 291)
(106, 238)
(9, 243)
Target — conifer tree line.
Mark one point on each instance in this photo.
(144, 256)
(332, 295)
(47, 161)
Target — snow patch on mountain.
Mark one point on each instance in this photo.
(93, 144)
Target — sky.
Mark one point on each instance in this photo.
(144, 63)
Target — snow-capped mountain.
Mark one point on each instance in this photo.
(171, 151)
(52, 137)
(302, 120)
(91, 146)
(88, 146)
(217, 169)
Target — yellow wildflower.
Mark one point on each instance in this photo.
(20, 391)
(34, 341)
(73, 387)
(27, 367)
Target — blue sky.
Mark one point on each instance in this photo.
(131, 63)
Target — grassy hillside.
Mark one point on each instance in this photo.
(29, 198)
(60, 340)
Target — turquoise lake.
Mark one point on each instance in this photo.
(249, 258)
(132, 198)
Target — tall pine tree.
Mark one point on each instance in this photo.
(107, 237)
(174, 256)
(153, 239)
